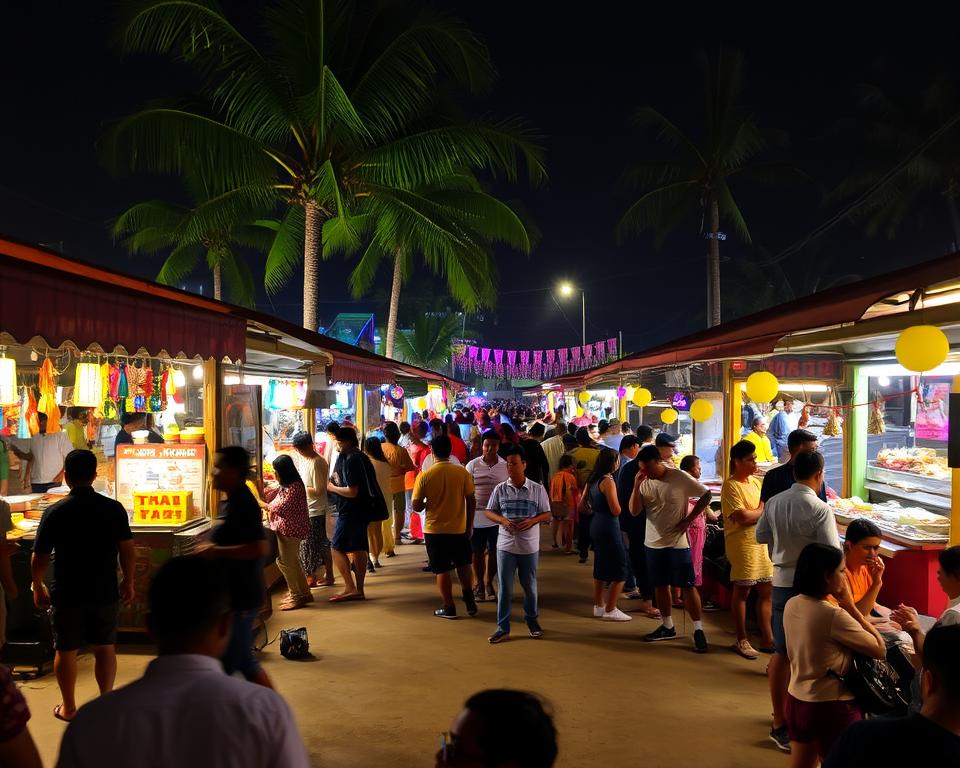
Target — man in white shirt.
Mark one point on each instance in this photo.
(553, 447)
(315, 472)
(518, 505)
(664, 493)
(791, 520)
(185, 711)
(45, 457)
(488, 471)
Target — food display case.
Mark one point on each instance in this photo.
(911, 475)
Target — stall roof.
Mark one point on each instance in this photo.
(936, 282)
(89, 305)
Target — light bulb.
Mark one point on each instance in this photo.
(198, 373)
(884, 381)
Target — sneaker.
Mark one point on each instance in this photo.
(709, 605)
(498, 637)
(700, 641)
(781, 738)
(536, 631)
(370, 568)
(633, 595)
(447, 612)
(471, 603)
(616, 615)
(661, 633)
(743, 648)
(598, 611)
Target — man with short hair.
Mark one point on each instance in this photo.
(45, 457)
(88, 532)
(645, 435)
(664, 493)
(315, 473)
(185, 711)
(667, 446)
(488, 470)
(613, 435)
(134, 422)
(446, 493)
(781, 478)
(779, 431)
(934, 732)
(791, 520)
(518, 505)
(553, 447)
(400, 463)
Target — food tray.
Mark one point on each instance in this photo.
(908, 481)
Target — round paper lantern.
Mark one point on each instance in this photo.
(668, 415)
(701, 410)
(583, 398)
(396, 391)
(762, 386)
(642, 397)
(922, 348)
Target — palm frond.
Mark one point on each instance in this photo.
(214, 219)
(237, 278)
(344, 234)
(650, 210)
(149, 227)
(730, 210)
(492, 219)
(286, 253)
(180, 263)
(668, 132)
(363, 275)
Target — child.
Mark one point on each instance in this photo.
(564, 498)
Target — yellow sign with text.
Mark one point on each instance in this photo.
(165, 508)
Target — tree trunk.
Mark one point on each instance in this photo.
(394, 302)
(217, 280)
(312, 242)
(713, 264)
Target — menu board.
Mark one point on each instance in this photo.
(155, 467)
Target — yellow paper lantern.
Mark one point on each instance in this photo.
(701, 410)
(762, 386)
(88, 385)
(583, 398)
(922, 348)
(8, 381)
(668, 415)
(642, 397)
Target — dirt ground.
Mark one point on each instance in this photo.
(387, 678)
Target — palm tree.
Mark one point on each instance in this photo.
(697, 180)
(451, 226)
(429, 342)
(337, 105)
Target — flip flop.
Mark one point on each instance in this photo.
(345, 598)
(653, 613)
(56, 713)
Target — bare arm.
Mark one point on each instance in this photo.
(869, 601)
(38, 569)
(747, 516)
(697, 510)
(609, 489)
(127, 557)
(471, 510)
(872, 646)
(348, 492)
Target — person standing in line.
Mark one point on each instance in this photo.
(821, 640)
(518, 505)
(791, 520)
(287, 514)
(779, 432)
(629, 447)
(585, 458)
(758, 436)
(537, 465)
(446, 493)
(697, 532)
(330, 452)
(381, 469)
(315, 473)
(664, 493)
(240, 544)
(487, 471)
(46, 456)
(553, 447)
(164, 718)
(400, 463)
(612, 437)
(750, 566)
(88, 533)
(780, 479)
(349, 486)
(634, 528)
(564, 500)
(610, 557)
(404, 440)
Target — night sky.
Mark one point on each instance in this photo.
(577, 75)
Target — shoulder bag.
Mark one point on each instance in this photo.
(875, 685)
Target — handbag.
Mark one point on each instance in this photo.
(294, 643)
(875, 685)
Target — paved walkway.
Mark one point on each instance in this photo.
(388, 677)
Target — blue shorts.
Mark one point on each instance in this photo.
(780, 597)
(670, 567)
(239, 654)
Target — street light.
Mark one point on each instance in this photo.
(567, 290)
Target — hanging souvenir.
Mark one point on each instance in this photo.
(156, 398)
(148, 381)
(48, 396)
(123, 386)
(33, 422)
(164, 389)
(170, 381)
(114, 382)
(804, 417)
(876, 424)
(23, 429)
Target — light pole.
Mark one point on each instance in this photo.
(567, 290)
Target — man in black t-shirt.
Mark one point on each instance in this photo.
(781, 478)
(86, 532)
(935, 732)
(240, 544)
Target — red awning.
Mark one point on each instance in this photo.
(353, 371)
(62, 300)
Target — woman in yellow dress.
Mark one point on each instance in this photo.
(751, 567)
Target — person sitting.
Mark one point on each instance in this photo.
(758, 436)
(185, 710)
(500, 728)
(934, 731)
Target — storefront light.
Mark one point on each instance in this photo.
(894, 369)
(8, 381)
(179, 380)
(87, 387)
(884, 381)
(231, 380)
(198, 373)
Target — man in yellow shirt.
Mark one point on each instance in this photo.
(446, 493)
(758, 436)
(77, 428)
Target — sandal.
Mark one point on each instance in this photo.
(346, 598)
(58, 713)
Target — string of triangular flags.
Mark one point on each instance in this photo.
(531, 364)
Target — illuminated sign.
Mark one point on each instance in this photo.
(680, 401)
(162, 507)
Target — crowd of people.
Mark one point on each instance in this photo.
(477, 489)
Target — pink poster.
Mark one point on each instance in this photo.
(932, 403)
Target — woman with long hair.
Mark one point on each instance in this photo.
(287, 515)
(609, 555)
(381, 466)
(821, 640)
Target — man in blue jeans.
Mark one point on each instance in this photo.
(518, 505)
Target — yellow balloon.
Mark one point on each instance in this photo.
(922, 348)
(642, 397)
(701, 410)
(762, 386)
(579, 411)
(668, 415)
(584, 398)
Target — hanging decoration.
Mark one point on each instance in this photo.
(642, 397)
(583, 398)
(537, 364)
(23, 427)
(396, 392)
(701, 410)
(579, 411)
(668, 415)
(8, 381)
(621, 392)
(48, 396)
(804, 417)
(762, 386)
(876, 424)
(88, 386)
(922, 348)
(832, 426)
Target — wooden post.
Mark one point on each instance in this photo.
(855, 436)
(212, 409)
(731, 416)
(955, 488)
